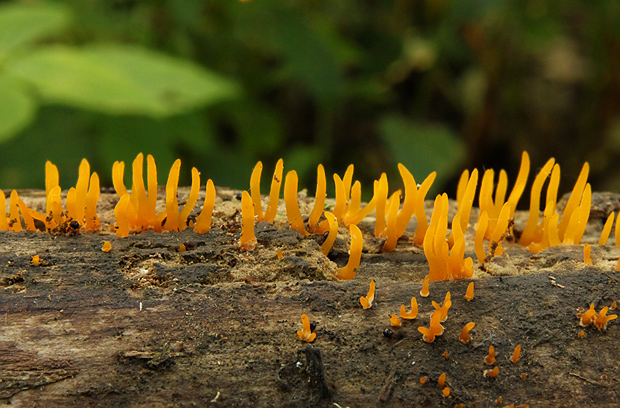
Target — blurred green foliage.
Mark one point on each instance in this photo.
(434, 84)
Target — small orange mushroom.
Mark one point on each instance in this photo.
(516, 354)
(442, 380)
(469, 294)
(490, 359)
(395, 321)
(427, 334)
(436, 326)
(107, 247)
(367, 300)
(411, 314)
(423, 380)
(446, 392)
(36, 260)
(305, 334)
(588, 317)
(491, 373)
(465, 337)
(602, 319)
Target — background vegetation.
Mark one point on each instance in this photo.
(434, 84)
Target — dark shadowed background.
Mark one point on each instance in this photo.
(434, 84)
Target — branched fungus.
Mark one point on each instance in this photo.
(413, 313)
(306, 333)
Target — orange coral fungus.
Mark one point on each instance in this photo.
(529, 232)
(602, 319)
(306, 333)
(606, 229)
(516, 354)
(427, 334)
(490, 358)
(81, 190)
(423, 380)
(354, 214)
(587, 317)
(182, 248)
(398, 224)
(255, 190)
(436, 326)
(445, 306)
(436, 249)
(355, 255)
(4, 225)
(51, 177)
(483, 222)
(106, 247)
(392, 214)
(172, 205)
(446, 392)
(279, 254)
(465, 337)
(413, 313)
(420, 214)
(15, 223)
(191, 200)
(121, 214)
(319, 200)
(579, 219)
(424, 292)
(292, 206)
(381, 191)
(333, 233)
(36, 260)
(446, 355)
(587, 259)
(91, 220)
(367, 300)
(274, 193)
(491, 373)
(28, 220)
(395, 321)
(574, 199)
(469, 294)
(465, 197)
(203, 221)
(442, 380)
(248, 239)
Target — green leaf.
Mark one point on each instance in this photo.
(119, 79)
(22, 24)
(423, 148)
(16, 108)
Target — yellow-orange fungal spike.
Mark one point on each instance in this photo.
(519, 187)
(500, 227)
(151, 210)
(528, 235)
(420, 215)
(333, 233)
(436, 326)
(427, 334)
(392, 214)
(341, 199)
(574, 199)
(617, 232)
(413, 313)
(356, 215)
(347, 180)
(274, 193)
(106, 247)
(367, 300)
(490, 358)
(248, 239)
(138, 192)
(606, 229)
(516, 354)
(172, 204)
(602, 319)
(382, 195)
(203, 221)
(587, 259)
(500, 192)
(395, 321)
(118, 172)
(355, 203)
(408, 209)
(465, 337)
(306, 333)
(91, 220)
(15, 222)
(51, 177)
(191, 199)
(483, 223)
(28, 220)
(4, 225)
(446, 392)
(255, 190)
(424, 292)
(491, 373)
(442, 380)
(586, 204)
(355, 255)
(120, 213)
(486, 193)
(293, 214)
(70, 203)
(469, 294)
(319, 199)
(467, 200)
(462, 185)
(81, 190)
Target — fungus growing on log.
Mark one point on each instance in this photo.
(516, 354)
(355, 255)
(248, 239)
(490, 358)
(306, 333)
(367, 300)
(413, 313)
(465, 337)
(274, 194)
(469, 294)
(293, 214)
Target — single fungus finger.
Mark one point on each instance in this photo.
(606, 229)
(341, 199)
(408, 208)
(15, 223)
(172, 204)
(355, 255)
(4, 225)
(292, 206)
(347, 180)
(333, 233)
(248, 239)
(520, 183)
(420, 214)
(151, 209)
(91, 220)
(367, 300)
(490, 358)
(81, 189)
(424, 292)
(465, 337)
(28, 220)
(483, 222)
(411, 314)
(138, 192)
(427, 334)
(319, 199)
(382, 196)
(118, 171)
(191, 199)
(469, 294)
(51, 177)
(120, 213)
(255, 189)
(460, 190)
(442, 380)
(516, 354)
(574, 199)
(274, 193)
(391, 232)
(203, 221)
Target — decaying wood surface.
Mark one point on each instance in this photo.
(147, 326)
